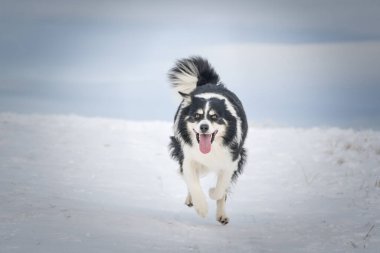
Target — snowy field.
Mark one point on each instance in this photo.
(75, 184)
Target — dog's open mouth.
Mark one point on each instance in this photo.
(205, 141)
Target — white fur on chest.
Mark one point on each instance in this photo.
(218, 159)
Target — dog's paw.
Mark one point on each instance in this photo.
(200, 205)
(189, 201)
(223, 219)
(214, 194)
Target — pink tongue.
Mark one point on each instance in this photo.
(205, 143)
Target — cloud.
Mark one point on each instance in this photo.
(308, 65)
(303, 83)
(269, 21)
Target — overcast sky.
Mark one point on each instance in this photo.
(297, 63)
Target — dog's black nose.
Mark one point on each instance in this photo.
(204, 128)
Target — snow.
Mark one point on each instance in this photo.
(75, 184)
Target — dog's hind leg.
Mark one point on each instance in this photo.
(221, 215)
(189, 201)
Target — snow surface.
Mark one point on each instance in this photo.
(75, 184)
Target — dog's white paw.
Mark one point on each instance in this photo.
(200, 205)
(214, 194)
(188, 201)
(223, 219)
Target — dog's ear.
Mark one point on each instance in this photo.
(186, 97)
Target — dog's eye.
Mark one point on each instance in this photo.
(214, 116)
(197, 116)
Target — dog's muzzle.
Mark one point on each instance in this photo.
(205, 140)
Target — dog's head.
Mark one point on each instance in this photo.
(206, 122)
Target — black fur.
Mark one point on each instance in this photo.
(243, 158)
(176, 151)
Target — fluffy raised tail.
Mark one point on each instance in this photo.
(188, 73)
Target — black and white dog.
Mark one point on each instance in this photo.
(210, 127)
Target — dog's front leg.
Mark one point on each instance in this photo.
(221, 215)
(190, 174)
(224, 179)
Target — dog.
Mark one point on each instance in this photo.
(210, 127)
